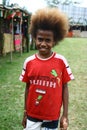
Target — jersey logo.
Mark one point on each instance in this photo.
(54, 73)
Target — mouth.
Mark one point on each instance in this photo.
(42, 49)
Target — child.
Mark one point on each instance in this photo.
(46, 74)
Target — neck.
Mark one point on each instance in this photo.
(44, 56)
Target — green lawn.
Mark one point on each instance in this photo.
(12, 90)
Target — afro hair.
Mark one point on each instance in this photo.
(51, 19)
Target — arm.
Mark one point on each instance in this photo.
(64, 118)
(25, 99)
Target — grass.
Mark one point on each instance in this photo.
(12, 90)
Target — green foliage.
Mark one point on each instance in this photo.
(12, 90)
(5, 2)
(55, 3)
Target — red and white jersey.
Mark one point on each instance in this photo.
(46, 78)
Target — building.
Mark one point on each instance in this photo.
(14, 35)
(77, 19)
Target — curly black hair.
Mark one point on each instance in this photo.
(51, 19)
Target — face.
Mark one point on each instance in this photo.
(44, 42)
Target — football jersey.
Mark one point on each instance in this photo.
(46, 78)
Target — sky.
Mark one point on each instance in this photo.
(33, 5)
(30, 5)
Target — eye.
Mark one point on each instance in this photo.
(48, 40)
(40, 39)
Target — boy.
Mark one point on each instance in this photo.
(46, 74)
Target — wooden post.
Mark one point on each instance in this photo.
(21, 34)
(11, 42)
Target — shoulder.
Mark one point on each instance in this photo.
(28, 59)
(62, 58)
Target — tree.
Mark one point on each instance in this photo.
(55, 3)
(5, 2)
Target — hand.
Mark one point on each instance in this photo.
(63, 123)
(24, 120)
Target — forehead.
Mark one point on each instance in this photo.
(45, 33)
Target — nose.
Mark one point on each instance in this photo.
(43, 43)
